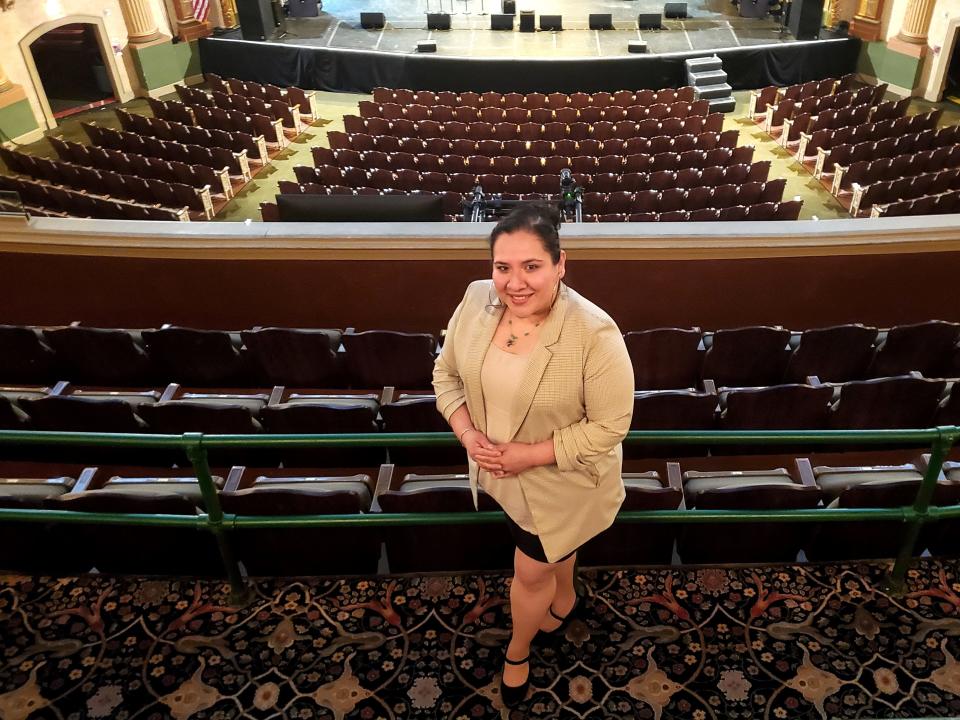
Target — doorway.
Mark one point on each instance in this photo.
(951, 86)
(72, 70)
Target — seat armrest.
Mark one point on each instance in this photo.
(234, 477)
(384, 480)
(805, 472)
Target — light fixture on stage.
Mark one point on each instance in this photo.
(438, 21)
(427, 46)
(649, 21)
(636, 46)
(501, 22)
(372, 20)
(601, 21)
(551, 22)
(675, 10)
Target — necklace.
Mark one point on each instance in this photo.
(512, 339)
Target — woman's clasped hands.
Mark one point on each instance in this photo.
(499, 460)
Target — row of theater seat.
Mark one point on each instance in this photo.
(235, 140)
(939, 188)
(874, 163)
(274, 109)
(220, 119)
(812, 143)
(769, 95)
(362, 142)
(946, 203)
(534, 164)
(588, 113)
(304, 100)
(77, 203)
(832, 111)
(552, 131)
(51, 547)
(534, 100)
(906, 401)
(663, 358)
(115, 185)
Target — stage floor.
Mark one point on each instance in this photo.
(712, 25)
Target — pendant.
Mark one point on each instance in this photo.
(511, 340)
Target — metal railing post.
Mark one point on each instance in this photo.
(193, 444)
(896, 581)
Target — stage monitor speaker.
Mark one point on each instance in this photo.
(551, 22)
(636, 46)
(304, 8)
(649, 21)
(438, 21)
(805, 18)
(601, 21)
(509, 7)
(372, 20)
(426, 46)
(256, 19)
(675, 10)
(528, 21)
(501, 22)
(360, 208)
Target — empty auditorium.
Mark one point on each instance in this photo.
(476, 359)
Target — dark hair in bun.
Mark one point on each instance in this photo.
(541, 219)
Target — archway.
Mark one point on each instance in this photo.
(72, 66)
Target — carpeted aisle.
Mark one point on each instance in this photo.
(778, 642)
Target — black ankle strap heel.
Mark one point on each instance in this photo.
(514, 695)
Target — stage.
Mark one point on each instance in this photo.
(332, 51)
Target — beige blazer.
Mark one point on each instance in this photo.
(577, 390)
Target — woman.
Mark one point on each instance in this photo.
(536, 383)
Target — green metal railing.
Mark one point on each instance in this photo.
(914, 516)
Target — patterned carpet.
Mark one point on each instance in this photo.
(783, 642)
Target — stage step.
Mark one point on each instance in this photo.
(710, 77)
(724, 104)
(702, 64)
(714, 91)
(709, 82)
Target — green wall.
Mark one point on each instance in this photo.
(889, 66)
(16, 119)
(166, 63)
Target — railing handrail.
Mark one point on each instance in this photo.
(216, 521)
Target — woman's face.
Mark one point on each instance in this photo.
(523, 273)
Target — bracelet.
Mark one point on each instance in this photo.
(460, 436)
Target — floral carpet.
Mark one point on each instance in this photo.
(805, 641)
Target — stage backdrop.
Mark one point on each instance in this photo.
(361, 71)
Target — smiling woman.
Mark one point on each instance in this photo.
(536, 382)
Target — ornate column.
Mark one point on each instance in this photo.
(866, 21)
(188, 27)
(916, 22)
(228, 8)
(141, 25)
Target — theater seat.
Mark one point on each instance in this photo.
(776, 489)
(204, 358)
(99, 356)
(746, 357)
(924, 347)
(664, 358)
(24, 357)
(143, 550)
(670, 410)
(37, 547)
(381, 358)
(302, 551)
(626, 543)
(429, 548)
(416, 414)
(295, 357)
(832, 354)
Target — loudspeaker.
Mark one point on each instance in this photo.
(601, 21)
(372, 20)
(304, 8)
(426, 46)
(256, 19)
(528, 21)
(509, 7)
(675, 9)
(438, 21)
(550, 22)
(805, 18)
(649, 21)
(501, 22)
(636, 46)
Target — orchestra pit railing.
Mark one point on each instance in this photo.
(939, 440)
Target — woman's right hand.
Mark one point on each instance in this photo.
(483, 452)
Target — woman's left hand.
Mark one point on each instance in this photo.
(514, 459)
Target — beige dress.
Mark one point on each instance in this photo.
(500, 379)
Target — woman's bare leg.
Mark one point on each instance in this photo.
(564, 596)
(533, 589)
